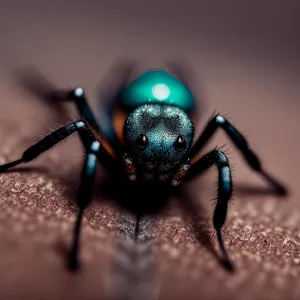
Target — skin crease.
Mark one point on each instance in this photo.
(247, 60)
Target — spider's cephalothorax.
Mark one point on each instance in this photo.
(158, 138)
(158, 131)
(147, 131)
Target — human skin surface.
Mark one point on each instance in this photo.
(249, 73)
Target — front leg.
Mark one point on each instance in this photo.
(84, 198)
(53, 139)
(224, 193)
(241, 143)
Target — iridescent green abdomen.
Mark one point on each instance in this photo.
(157, 86)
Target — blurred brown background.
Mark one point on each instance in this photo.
(247, 63)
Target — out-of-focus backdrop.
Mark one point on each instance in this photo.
(246, 63)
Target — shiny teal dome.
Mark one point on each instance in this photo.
(157, 86)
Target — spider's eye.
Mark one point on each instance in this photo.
(180, 144)
(141, 142)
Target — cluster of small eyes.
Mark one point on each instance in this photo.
(142, 142)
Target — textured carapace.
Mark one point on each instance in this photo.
(158, 138)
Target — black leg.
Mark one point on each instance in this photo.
(84, 199)
(93, 150)
(108, 98)
(102, 125)
(241, 143)
(224, 193)
(51, 140)
(77, 95)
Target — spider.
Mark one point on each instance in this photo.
(147, 132)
